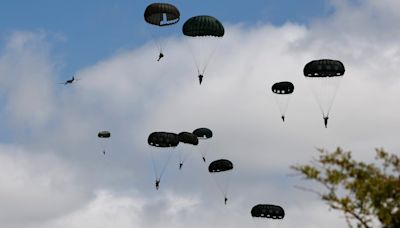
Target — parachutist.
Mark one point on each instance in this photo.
(157, 184)
(70, 81)
(226, 199)
(200, 78)
(326, 121)
(283, 118)
(180, 165)
(160, 56)
(204, 159)
(103, 135)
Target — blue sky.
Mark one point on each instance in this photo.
(48, 133)
(85, 32)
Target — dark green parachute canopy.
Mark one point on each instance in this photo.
(163, 139)
(154, 14)
(283, 88)
(324, 68)
(203, 26)
(203, 133)
(267, 211)
(104, 134)
(188, 138)
(220, 166)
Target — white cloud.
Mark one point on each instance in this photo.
(131, 95)
(26, 83)
(36, 187)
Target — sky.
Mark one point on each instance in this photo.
(52, 170)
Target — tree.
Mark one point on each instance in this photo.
(365, 193)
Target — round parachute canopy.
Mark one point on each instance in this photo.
(203, 132)
(324, 68)
(283, 88)
(154, 14)
(267, 211)
(220, 166)
(188, 138)
(104, 134)
(203, 26)
(163, 139)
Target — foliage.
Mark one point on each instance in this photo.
(365, 193)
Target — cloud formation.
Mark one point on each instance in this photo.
(71, 184)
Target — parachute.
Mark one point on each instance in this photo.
(282, 91)
(267, 211)
(160, 156)
(324, 77)
(203, 26)
(203, 34)
(203, 134)
(324, 68)
(163, 139)
(221, 165)
(189, 140)
(221, 170)
(103, 136)
(161, 15)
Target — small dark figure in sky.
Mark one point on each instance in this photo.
(200, 78)
(104, 152)
(326, 121)
(283, 118)
(70, 81)
(160, 56)
(157, 184)
(226, 200)
(204, 159)
(180, 165)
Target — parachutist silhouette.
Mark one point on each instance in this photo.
(326, 121)
(70, 81)
(283, 118)
(160, 56)
(157, 184)
(180, 165)
(204, 159)
(200, 78)
(226, 200)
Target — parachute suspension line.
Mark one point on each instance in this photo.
(103, 145)
(184, 157)
(203, 61)
(283, 101)
(194, 59)
(156, 41)
(202, 149)
(324, 90)
(315, 93)
(209, 58)
(223, 187)
(164, 166)
(326, 94)
(337, 85)
(227, 183)
(154, 165)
